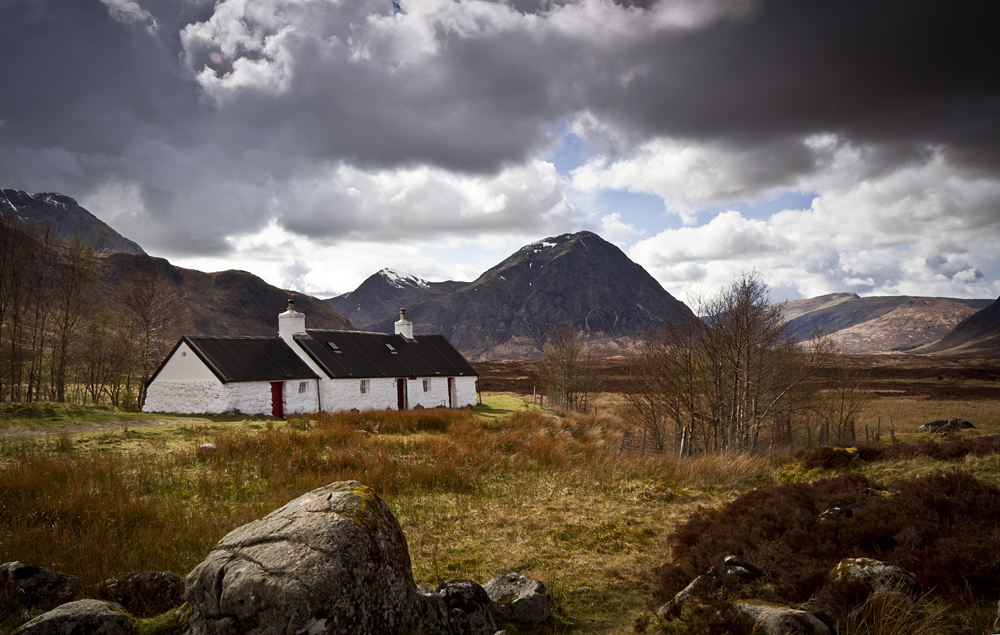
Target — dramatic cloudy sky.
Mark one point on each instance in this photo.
(834, 145)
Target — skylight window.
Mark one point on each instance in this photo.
(335, 348)
(391, 349)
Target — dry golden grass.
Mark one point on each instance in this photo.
(508, 488)
(907, 414)
(477, 497)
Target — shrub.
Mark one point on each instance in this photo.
(942, 528)
(838, 456)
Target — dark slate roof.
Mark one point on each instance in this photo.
(369, 355)
(247, 358)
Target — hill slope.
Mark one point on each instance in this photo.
(976, 336)
(227, 302)
(510, 310)
(879, 323)
(65, 217)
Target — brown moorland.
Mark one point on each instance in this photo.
(478, 492)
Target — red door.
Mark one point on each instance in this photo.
(401, 393)
(277, 399)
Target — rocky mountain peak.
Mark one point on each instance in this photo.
(510, 310)
(402, 280)
(66, 218)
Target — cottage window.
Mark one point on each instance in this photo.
(364, 387)
(302, 387)
(427, 385)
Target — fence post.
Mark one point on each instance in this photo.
(642, 448)
(867, 438)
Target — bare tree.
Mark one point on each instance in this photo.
(841, 398)
(724, 378)
(565, 370)
(156, 309)
(74, 300)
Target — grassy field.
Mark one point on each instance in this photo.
(479, 492)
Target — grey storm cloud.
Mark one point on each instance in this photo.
(221, 105)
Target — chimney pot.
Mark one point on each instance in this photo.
(291, 304)
(404, 327)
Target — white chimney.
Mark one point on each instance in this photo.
(291, 323)
(404, 327)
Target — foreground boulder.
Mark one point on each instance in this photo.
(334, 560)
(82, 617)
(520, 599)
(38, 587)
(144, 594)
(769, 619)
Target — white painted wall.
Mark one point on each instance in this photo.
(345, 394)
(465, 389)
(297, 402)
(184, 365)
(437, 397)
(184, 396)
(249, 397)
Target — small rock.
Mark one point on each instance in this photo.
(207, 449)
(943, 426)
(769, 619)
(470, 607)
(82, 617)
(520, 599)
(844, 512)
(881, 577)
(38, 587)
(730, 572)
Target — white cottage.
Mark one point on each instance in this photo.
(312, 370)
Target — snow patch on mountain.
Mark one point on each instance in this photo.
(401, 280)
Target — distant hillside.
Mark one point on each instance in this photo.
(976, 336)
(879, 323)
(510, 311)
(227, 302)
(65, 217)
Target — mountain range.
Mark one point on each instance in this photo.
(879, 324)
(509, 311)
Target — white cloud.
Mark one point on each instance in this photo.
(921, 229)
(129, 12)
(689, 176)
(414, 203)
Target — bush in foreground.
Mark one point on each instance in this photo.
(942, 528)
